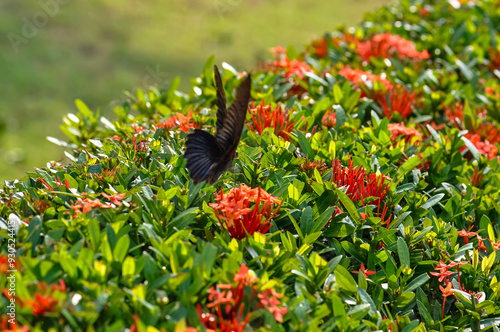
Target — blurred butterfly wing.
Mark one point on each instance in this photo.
(202, 154)
(221, 100)
(229, 134)
(208, 156)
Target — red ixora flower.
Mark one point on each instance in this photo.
(478, 125)
(411, 135)
(483, 147)
(366, 272)
(237, 216)
(476, 177)
(184, 122)
(309, 165)
(494, 59)
(291, 67)
(466, 233)
(360, 186)
(7, 264)
(357, 77)
(386, 45)
(320, 47)
(455, 114)
(396, 100)
(86, 204)
(446, 292)
(115, 199)
(8, 324)
(226, 303)
(45, 298)
(329, 120)
(278, 51)
(491, 91)
(264, 116)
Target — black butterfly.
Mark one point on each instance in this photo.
(208, 156)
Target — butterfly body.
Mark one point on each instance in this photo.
(208, 156)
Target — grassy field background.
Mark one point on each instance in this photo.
(55, 51)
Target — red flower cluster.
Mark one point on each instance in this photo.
(411, 134)
(491, 91)
(485, 129)
(278, 52)
(227, 303)
(86, 204)
(45, 298)
(264, 116)
(7, 324)
(494, 59)
(181, 121)
(115, 199)
(141, 145)
(483, 147)
(386, 45)
(5, 265)
(291, 68)
(309, 165)
(329, 120)
(476, 178)
(444, 275)
(466, 234)
(320, 47)
(360, 186)
(396, 100)
(238, 218)
(357, 77)
(455, 113)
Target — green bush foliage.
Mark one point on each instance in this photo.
(364, 195)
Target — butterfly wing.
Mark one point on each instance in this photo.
(208, 156)
(221, 100)
(202, 154)
(228, 135)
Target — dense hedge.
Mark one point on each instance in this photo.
(365, 194)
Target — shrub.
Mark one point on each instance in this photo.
(405, 108)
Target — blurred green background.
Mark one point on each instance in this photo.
(54, 51)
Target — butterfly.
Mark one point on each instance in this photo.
(208, 156)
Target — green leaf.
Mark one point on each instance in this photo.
(305, 145)
(425, 313)
(121, 249)
(94, 234)
(348, 205)
(208, 70)
(34, 231)
(357, 312)
(472, 148)
(184, 219)
(345, 279)
(434, 134)
(417, 282)
(412, 326)
(306, 220)
(466, 71)
(410, 164)
(128, 267)
(403, 252)
(83, 108)
(366, 298)
(432, 201)
(340, 116)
